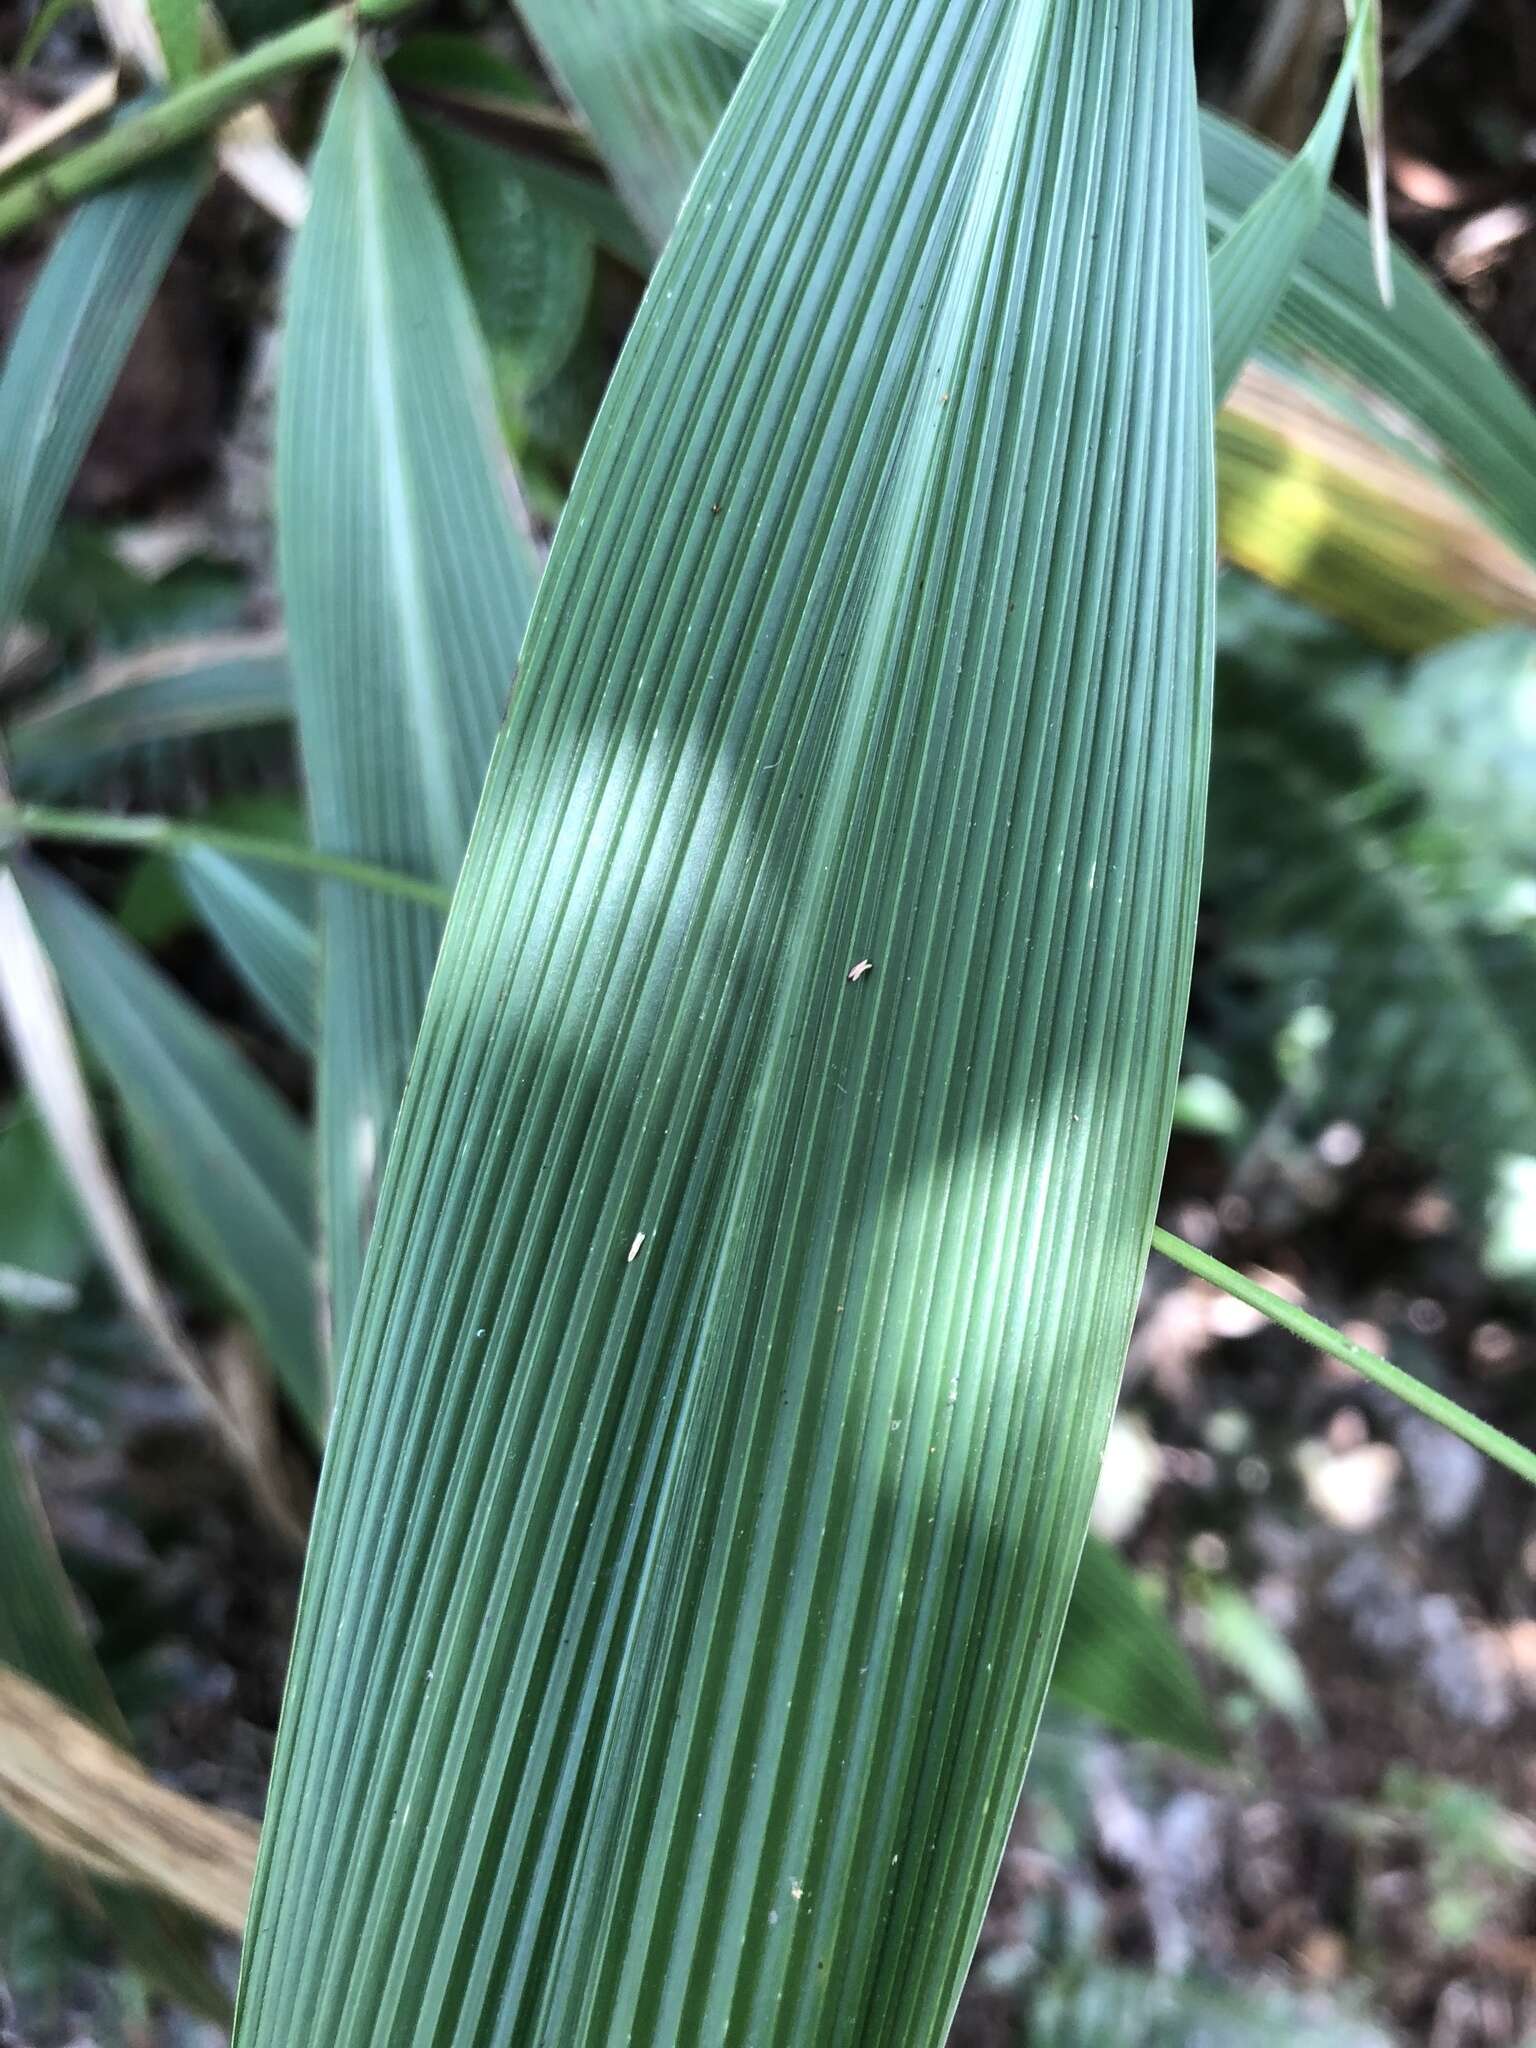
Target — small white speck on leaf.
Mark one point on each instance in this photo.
(858, 972)
(636, 1244)
(796, 1889)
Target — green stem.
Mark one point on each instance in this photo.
(180, 117)
(169, 835)
(1482, 1436)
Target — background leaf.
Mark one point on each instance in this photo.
(231, 1160)
(80, 321)
(406, 581)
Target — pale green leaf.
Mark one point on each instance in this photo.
(263, 920)
(230, 1158)
(406, 580)
(178, 32)
(68, 347)
(759, 1244)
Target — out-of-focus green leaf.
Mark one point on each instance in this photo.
(462, 67)
(64, 358)
(1094, 2006)
(527, 265)
(1252, 263)
(1337, 883)
(1121, 1660)
(738, 25)
(230, 1158)
(406, 579)
(1415, 371)
(187, 690)
(1249, 1644)
(771, 1196)
(178, 32)
(648, 85)
(264, 922)
(43, 24)
(42, 1636)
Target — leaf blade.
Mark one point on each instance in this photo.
(406, 578)
(698, 821)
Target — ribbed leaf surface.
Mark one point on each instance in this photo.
(406, 584)
(79, 323)
(230, 1159)
(760, 1239)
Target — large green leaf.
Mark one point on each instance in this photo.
(406, 582)
(759, 1243)
(42, 1636)
(64, 358)
(230, 1159)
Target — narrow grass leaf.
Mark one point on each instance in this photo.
(759, 1244)
(230, 1158)
(1253, 262)
(263, 921)
(187, 690)
(649, 86)
(43, 1637)
(1122, 1661)
(406, 578)
(69, 345)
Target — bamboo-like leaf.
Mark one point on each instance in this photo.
(86, 1800)
(80, 320)
(264, 922)
(406, 583)
(230, 1158)
(1121, 1660)
(1253, 263)
(759, 1243)
(648, 85)
(42, 1636)
(187, 690)
(43, 1049)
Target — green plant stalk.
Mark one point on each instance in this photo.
(1482, 1436)
(184, 115)
(168, 835)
